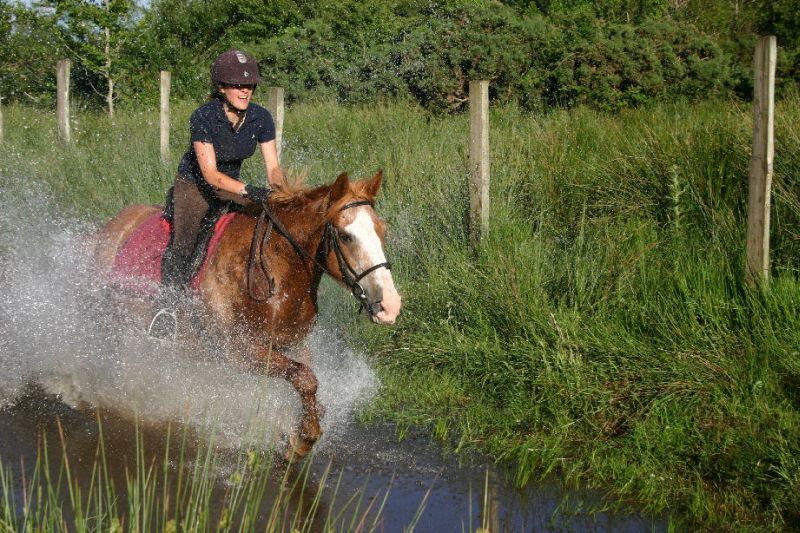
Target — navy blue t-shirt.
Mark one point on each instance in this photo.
(209, 124)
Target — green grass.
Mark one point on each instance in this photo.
(604, 333)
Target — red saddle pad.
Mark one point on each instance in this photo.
(137, 266)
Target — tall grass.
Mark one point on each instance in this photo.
(604, 332)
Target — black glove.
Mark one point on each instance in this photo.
(256, 193)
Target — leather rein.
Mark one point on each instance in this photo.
(330, 241)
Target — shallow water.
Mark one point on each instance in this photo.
(69, 352)
(412, 475)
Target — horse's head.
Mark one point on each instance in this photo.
(355, 247)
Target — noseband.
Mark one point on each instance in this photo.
(330, 241)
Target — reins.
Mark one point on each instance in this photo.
(256, 259)
(350, 277)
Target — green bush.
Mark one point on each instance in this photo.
(432, 55)
(27, 57)
(611, 66)
(608, 54)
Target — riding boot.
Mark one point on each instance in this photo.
(174, 284)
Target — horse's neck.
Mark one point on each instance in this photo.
(305, 223)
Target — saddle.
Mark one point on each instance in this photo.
(137, 265)
(260, 284)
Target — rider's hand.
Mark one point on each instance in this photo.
(256, 193)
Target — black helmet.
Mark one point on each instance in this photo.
(234, 67)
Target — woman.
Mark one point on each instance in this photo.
(224, 132)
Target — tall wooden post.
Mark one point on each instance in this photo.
(275, 106)
(166, 80)
(478, 161)
(62, 102)
(760, 182)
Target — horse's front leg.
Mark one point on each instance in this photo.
(275, 364)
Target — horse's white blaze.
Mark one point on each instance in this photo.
(380, 281)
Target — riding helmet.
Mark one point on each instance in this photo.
(235, 67)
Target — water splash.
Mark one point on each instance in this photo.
(59, 329)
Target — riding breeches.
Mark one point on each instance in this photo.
(191, 204)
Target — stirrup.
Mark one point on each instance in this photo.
(164, 325)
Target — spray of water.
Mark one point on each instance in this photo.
(60, 330)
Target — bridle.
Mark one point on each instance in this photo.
(350, 277)
(330, 241)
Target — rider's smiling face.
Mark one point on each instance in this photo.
(238, 96)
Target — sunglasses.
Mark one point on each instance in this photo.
(238, 86)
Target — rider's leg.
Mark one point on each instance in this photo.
(189, 208)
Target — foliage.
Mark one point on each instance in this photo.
(608, 54)
(344, 54)
(28, 44)
(782, 19)
(620, 65)
(437, 59)
(185, 37)
(93, 35)
(432, 55)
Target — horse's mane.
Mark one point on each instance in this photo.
(297, 193)
(294, 183)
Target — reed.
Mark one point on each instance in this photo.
(190, 492)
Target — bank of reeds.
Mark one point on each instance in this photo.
(604, 332)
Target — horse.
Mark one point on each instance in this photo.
(264, 283)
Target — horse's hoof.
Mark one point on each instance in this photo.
(297, 448)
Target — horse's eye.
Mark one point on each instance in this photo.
(345, 237)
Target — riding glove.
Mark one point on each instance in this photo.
(256, 193)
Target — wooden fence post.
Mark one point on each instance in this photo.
(478, 161)
(166, 80)
(760, 180)
(1, 120)
(275, 106)
(62, 105)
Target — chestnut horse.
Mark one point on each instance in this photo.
(329, 229)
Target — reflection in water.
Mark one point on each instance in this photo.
(70, 354)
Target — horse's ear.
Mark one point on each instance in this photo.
(340, 187)
(374, 184)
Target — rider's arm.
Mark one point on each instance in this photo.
(207, 159)
(274, 172)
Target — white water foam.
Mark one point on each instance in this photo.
(59, 330)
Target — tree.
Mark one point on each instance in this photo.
(94, 33)
(28, 42)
